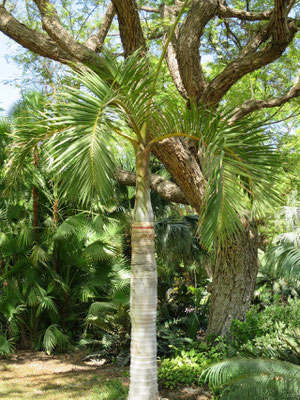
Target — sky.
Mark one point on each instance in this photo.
(8, 71)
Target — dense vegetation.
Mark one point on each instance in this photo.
(65, 279)
(72, 222)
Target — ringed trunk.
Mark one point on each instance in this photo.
(143, 292)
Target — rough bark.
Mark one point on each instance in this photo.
(188, 56)
(233, 284)
(170, 56)
(31, 39)
(167, 190)
(184, 169)
(278, 30)
(96, 41)
(130, 27)
(252, 105)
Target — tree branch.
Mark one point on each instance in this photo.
(175, 157)
(131, 33)
(189, 62)
(51, 24)
(171, 58)
(31, 39)
(95, 42)
(253, 105)
(149, 9)
(279, 29)
(167, 190)
(227, 12)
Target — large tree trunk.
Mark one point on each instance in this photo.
(234, 278)
(143, 292)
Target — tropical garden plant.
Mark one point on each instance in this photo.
(119, 100)
(260, 379)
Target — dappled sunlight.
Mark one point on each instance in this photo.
(36, 375)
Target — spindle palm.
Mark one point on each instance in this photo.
(81, 130)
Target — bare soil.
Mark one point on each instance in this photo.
(29, 375)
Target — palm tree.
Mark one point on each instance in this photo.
(80, 133)
(119, 99)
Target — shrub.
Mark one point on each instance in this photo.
(186, 367)
(262, 334)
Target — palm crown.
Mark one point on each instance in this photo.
(237, 160)
(120, 100)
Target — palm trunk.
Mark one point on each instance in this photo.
(143, 297)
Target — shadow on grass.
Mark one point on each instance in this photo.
(87, 385)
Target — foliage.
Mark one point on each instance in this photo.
(283, 257)
(6, 345)
(47, 287)
(186, 366)
(266, 333)
(55, 338)
(259, 379)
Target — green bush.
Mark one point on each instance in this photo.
(243, 331)
(185, 368)
(262, 334)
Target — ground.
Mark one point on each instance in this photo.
(29, 375)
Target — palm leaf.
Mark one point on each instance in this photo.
(255, 379)
(54, 337)
(6, 345)
(283, 260)
(238, 164)
(70, 226)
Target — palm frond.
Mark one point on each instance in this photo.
(28, 130)
(54, 337)
(283, 260)
(39, 255)
(25, 235)
(255, 379)
(6, 345)
(70, 226)
(238, 163)
(45, 302)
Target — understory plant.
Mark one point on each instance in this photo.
(186, 366)
(260, 379)
(267, 366)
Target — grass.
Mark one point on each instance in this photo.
(36, 376)
(68, 387)
(55, 379)
(110, 390)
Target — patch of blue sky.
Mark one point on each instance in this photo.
(10, 73)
